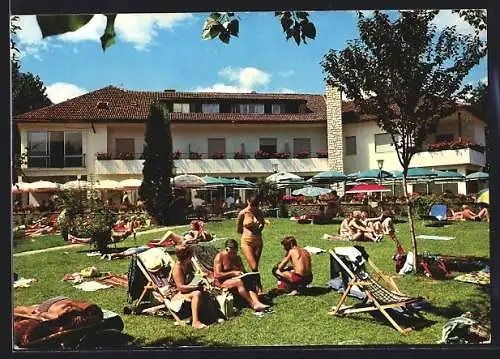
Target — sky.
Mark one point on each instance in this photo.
(154, 52)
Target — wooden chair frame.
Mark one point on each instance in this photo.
(341, 309)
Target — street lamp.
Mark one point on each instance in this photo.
(380, 166)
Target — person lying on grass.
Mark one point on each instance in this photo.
(469, 215)
(129, 252)
(195, 235)
(294, 278)
(183, 274)
(228, 267)
(361, 231)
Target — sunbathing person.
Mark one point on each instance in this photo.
(198, 233)
(372, 223)
(361, 231)
(299, 274)
(469, 215)
(129, 252)
(183, 273)
(78, 240)
(52, 308)
(344, 229)
(228, 267)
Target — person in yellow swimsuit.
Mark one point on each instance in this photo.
(250, 223)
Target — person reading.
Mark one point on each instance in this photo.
(183, 274)
(228, 272)
(297, 276)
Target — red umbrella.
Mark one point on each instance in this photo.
(365, 187)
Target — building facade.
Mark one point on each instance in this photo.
(100, 135)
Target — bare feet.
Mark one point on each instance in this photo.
(199, 325)
(260, 307)
(293, 292)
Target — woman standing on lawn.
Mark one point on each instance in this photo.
(249, 224)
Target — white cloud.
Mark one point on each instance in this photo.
(141, 29)
(287, 73)
(91, 31)
(447, 18)
(62, 91)
(220, 87)
(248, 77)
(286, 90)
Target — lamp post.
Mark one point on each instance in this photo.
(380, 166)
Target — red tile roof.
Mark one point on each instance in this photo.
(133, 106)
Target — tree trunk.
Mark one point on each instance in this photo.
(410, 223)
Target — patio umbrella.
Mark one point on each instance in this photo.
(215, 181)
(311, 191)
(43, 186)
(448, 176)
(188, 181)
(20, 187)
(374, 174)
(476, 176)
(106, 184)
(368, 188)
(483, 196)
(284, 178)
(329, 177)
(243, 183)
(131, 183)
(75, 185)
(416, 173)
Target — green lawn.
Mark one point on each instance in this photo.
(32, 243)
(301, 320)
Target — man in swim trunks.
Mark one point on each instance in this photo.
(299, 275)
(227, 267)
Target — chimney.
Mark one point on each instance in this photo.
(335, 138)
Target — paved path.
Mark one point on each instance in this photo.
(69, 246)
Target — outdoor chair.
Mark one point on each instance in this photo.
(437, 216)
(350, 262)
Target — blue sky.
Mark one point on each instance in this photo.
(160, 51)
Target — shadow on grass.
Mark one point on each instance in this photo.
(186, 341)
(416, 322)
(307, 292)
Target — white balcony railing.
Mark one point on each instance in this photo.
(464, 156)
(219, 167)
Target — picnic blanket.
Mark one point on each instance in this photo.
(481, 277)
(434, 238)
(115, 280)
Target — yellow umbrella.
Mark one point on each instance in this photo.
(484, 197)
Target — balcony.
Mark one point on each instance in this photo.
(55, 165)
(462, 156)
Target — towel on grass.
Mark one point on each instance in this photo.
(115, 280)
(91, 286)
(313, 250)
(434, 238)
(24, 282)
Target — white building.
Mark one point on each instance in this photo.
(69, 139)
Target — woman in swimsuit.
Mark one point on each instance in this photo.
(250, 223)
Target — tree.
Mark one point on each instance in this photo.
(221, 25)
(155, 190)
(407, 74)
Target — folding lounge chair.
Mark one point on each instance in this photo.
(163, 289)
(437, 216)
(379, 298)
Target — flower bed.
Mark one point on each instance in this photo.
(455, 145)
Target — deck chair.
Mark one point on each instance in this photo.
(351, 262)
(437, 216)
(150, 263)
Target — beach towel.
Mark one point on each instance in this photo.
(91, 286)
(481, 277)
(115, 280)
(434, 238)
(24, 282)
(313, 250)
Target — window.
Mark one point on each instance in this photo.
(301, 145)
(383, 142)
(447, 137)
(268, 145)
(55, 149)
(181, 107)
(216, 145)
(277, 108)
(350, 145)
(251, 108)
(210, 108)
(124, 145)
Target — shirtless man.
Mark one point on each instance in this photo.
(300, 274)
(227, 266)
(362, 232)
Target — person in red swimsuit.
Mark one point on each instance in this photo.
(296, 277)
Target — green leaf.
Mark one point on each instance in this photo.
(296, 34)
(301, 14)
(309, 30)
(234, 27)
(212, 31)
(60, 24)
(109, 36)
(286, 23)
(224, 36)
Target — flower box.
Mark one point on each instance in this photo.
(239, 156)
(176, 155)
(262, 155)
(195, 155)
(322, 154)
(125, 156)
(302, 154)
(455, 145)
(281, 155)
(218, 155)
(103, 156)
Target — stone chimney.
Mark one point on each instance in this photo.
(335, 138)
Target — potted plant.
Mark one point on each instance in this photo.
(262, 155)
(302, 154)
(176, 155)
(103, 156)
(125, 156)
(194, 155)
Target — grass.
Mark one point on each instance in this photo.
(301, 320)
(33, 243)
